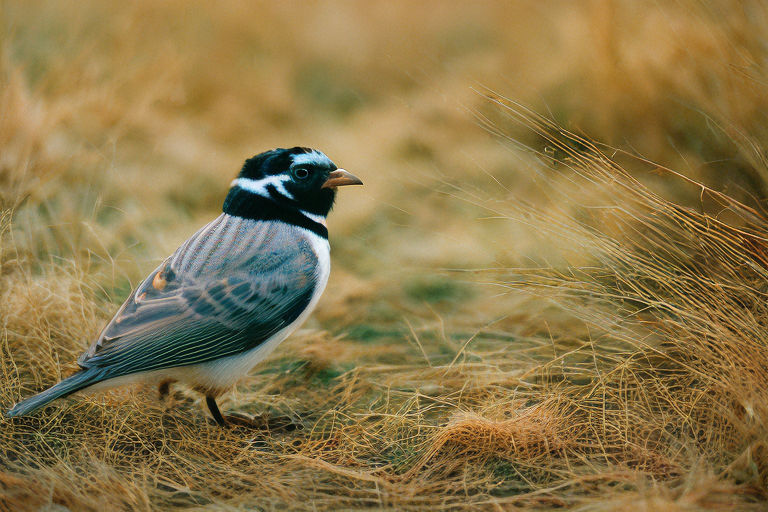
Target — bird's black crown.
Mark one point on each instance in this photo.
(284, 184)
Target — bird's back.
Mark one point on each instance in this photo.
(229, 288)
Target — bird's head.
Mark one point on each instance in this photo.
(298, 178)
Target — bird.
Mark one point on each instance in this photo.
(229, 294)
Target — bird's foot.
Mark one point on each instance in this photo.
(262, 422)
(164, 395)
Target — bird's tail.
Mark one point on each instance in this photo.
(76, 382)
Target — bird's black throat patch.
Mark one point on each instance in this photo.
(245, 204)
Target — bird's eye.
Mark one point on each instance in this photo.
(301, 173)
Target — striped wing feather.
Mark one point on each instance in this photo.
(194, 319)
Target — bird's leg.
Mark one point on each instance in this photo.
(245, 420)
(215, 412)
(163, 389)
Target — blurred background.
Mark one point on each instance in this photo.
(132, 119)
(122, 125)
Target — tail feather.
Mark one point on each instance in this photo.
(76, 382)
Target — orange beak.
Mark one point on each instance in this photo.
(339, 178)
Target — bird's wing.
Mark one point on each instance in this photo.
(171, 321)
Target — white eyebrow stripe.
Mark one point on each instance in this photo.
(260, 186)
(314, 157)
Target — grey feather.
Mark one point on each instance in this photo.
(229, 298)
(76, 382)
(225, 291)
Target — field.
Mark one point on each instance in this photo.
(550, 293)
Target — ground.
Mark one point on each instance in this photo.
(548, 294)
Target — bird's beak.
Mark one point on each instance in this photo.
(339, 178)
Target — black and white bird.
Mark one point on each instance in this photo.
(228, 295)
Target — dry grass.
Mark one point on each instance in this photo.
(520, 318)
